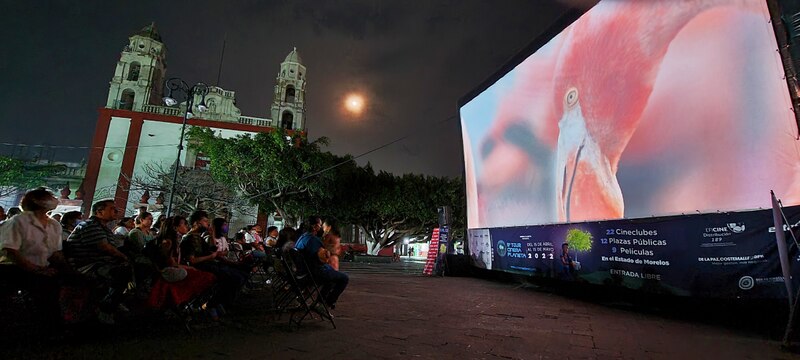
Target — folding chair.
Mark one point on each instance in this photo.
(308, 291)
(286, 292)
(261, 276)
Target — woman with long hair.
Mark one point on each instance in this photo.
(177, 283)
(217, 236)
(157, 225)
(286, 240)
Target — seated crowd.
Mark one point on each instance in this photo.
(165, 263)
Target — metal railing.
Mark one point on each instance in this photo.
(249, 120)
(162, 110)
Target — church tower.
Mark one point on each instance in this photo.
(139, 77)
(288, 104)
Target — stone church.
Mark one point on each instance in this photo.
(136, 129)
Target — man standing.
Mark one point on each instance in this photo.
(333, 282)
(89, 251)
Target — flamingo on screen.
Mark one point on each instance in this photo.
(598, 77)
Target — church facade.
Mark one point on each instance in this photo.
(137, 131)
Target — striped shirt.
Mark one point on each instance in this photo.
(83, 245)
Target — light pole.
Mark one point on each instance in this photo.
(179, 86)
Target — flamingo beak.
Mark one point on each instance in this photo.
(586, 186)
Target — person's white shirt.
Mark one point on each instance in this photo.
(222, 243)
(34, 242)
(271, 241)
(121, 230)
(249, 238)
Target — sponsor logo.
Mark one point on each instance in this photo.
(746, 282)
(501, 248)
(736, 227)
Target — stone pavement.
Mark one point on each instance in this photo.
(389, 311)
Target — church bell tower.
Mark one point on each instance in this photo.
(139, 77)
(288, 104)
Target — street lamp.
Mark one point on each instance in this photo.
(179, 86)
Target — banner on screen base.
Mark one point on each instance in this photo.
(728, 255)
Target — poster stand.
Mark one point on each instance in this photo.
(433, 252)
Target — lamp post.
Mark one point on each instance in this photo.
(177, 85)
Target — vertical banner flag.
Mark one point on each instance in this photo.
(444, 248)
(433, 251)
(783, 251)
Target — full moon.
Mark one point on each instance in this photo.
(354, 103)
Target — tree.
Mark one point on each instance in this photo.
(19, 175)
(195, 189)
(275, 170)
(398, 207)
(579, 240)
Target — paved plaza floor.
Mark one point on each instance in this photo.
(389, 311)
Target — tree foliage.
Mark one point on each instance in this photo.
(295, 177)
(20, 175)
(579, 240)
(395, 208)
(274, 170)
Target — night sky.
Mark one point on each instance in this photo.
(412, 60)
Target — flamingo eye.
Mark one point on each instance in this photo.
(571, 98)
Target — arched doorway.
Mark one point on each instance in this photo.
(287, 120)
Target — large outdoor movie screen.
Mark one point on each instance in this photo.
(637, 109)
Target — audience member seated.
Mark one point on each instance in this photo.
(252, 234)
(90, 252)
(69, 221)
(157, 225)
(309, 244)
(331, 249)
(143, 266)
(216, 236)
(239, 246)
(272, 236)
(286, 240)
(124, 226)
(31, 258)
(176, 283)
(329, 225)
(14, 211)
(197, 252)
